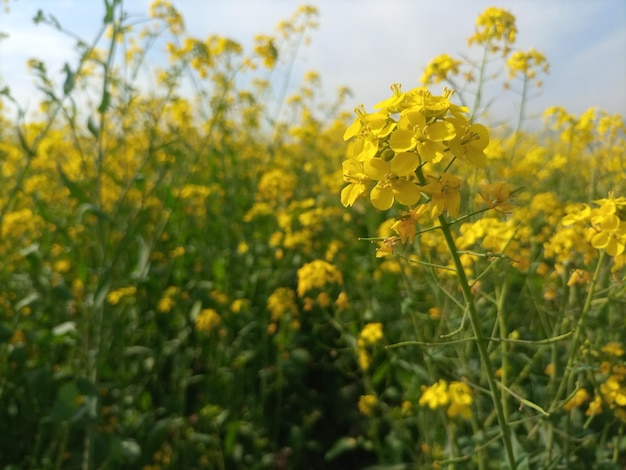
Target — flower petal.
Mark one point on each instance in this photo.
(402, 140)
(376, 168)
(404, 163)
(381, 197)
(406, 192)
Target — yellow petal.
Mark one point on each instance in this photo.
(376, 168)
(381, 197)
(440, 131)
(406, 192)
(404, 163)
(402, 140)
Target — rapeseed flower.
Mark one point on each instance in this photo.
(367, 403)
(444, 194)
(394, 180)
(207, 320)
(435, 396)
(317, 274)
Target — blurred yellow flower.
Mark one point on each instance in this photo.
(367, 403)
(207, 320)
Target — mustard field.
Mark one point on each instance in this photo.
(191, 279)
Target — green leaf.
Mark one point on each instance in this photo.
(86, 387)
(103, 289)
(5, 333)
(66, 403)
(343, 445)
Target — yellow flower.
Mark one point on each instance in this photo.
(354, 174)
(404, 225)
(317, 274)
(367, 403)
(460, 395)
(469, 142)
(435, 396)
(494, 24)
(414, 133)
(439, 68)
(613, 348)
(496, 196)
(394, 180)
(264, 47)
(115, 296)
(342, 302)
(207, 320)
(444, 194)
(281, 302)
(581, 397)
(371, 333)
(526, 63)
(595, 406)
(434, 313)
(610, 233)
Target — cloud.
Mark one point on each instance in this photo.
(369, 44)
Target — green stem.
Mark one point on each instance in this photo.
(504, 347)
(573, 353)
(481, 341)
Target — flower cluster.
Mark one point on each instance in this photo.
(457, 396)
(371, 334)
(398, 159)
(606, 230)
(492, 26)
(317, 274)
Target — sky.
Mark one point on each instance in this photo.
(367, 45)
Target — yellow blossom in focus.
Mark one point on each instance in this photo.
(444, 194)
(394, 180)
(404, 225)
